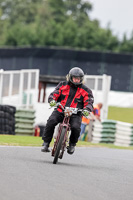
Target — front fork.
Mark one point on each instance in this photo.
(66, 138)
(65, 143)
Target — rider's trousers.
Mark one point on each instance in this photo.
(57, 117)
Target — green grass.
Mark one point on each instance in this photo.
(120, 114)
(17, 140)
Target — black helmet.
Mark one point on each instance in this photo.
(76, 72)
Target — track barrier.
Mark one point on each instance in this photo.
(110, 131)
(24, 122)
(7, 119)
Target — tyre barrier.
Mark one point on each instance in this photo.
(7, 119)
(111, 131)
(104, 132)
(124, 134)
(24, 122)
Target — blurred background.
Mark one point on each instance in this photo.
(116, 14)
(53, 36)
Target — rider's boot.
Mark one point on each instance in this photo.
(71, 148)
(45, 147)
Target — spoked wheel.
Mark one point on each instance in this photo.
(59, 145)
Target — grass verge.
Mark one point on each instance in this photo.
(18, 140)
(120, 114)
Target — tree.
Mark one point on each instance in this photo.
(126, 44)
(19, 10)
(55, 23)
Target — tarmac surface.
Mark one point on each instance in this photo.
(89, 174)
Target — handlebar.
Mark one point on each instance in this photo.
(63, 108)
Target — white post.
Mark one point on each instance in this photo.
(36, 85)
(21, 88)
(95, 88)
(28, 89)
(1, 84)
(106, 88)
(10, 84)
(109, 86)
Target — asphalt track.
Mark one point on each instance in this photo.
(89, 174)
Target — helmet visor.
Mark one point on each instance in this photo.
(76, 80)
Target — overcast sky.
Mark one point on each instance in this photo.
(119, 13)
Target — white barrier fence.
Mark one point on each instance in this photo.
(19, 87)
(111, 131)
(100, 86)
(124, 134)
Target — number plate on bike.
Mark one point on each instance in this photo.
(69, 111)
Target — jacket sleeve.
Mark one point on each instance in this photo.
(88, 101)
(56, 93)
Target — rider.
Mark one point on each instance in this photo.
(70, 93)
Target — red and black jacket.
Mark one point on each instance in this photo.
(73, 96)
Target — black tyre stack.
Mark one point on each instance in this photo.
(7, 119)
